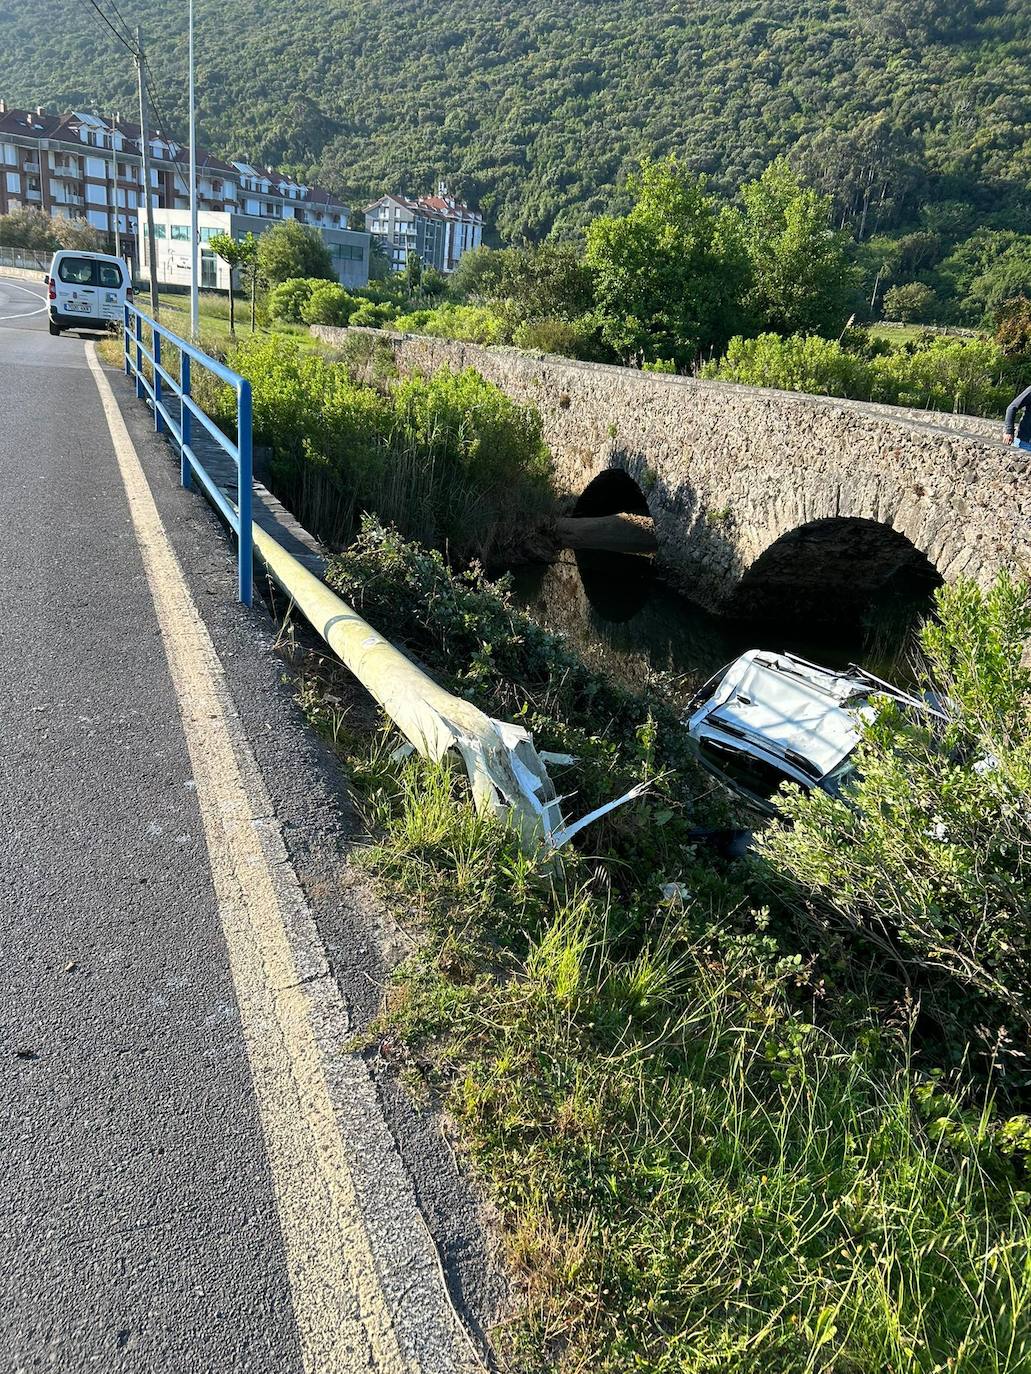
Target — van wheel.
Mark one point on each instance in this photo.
(54, 328)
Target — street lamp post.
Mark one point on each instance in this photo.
(194, 233)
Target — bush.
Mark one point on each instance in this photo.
(329, 304)
(371, 315)
(911, 303)
(472, 323)
(550, 336)
(930, 853)
(966, 377)
(809, 363)
(286, 301)
(963, 376)
(449, 458)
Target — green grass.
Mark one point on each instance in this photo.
(898, 334)
(692, 1174)
(709, 1151)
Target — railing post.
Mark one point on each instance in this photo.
(159, 424)
(184, 416)
(139, 356)
(244, 485)
(126, 317)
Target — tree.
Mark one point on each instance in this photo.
(293, 250)
(236, 253)
(1013, 327)
(669, 275)
(413, 273)
(913, 302)
(802, 279)
(549, 282)
(76, 233)
(29, 229)
(478, 274)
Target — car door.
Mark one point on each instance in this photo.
(76, 288)
(110, 290)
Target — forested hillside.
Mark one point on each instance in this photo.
(537, 110)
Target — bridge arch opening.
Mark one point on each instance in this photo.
(837, 571)
(613, 492)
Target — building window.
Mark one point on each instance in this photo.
(159, 231)
(181, 232)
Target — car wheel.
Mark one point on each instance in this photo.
(54, 328)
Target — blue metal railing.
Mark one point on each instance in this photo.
(178, 421)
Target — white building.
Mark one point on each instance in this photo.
(438, 228)
(87, 167)
(348, 248)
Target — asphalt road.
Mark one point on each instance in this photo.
(138, 1224)
(195, 1174)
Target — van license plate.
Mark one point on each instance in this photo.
(80, 307)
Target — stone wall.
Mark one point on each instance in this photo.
(728, 470)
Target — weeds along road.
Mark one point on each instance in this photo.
(194, 1175)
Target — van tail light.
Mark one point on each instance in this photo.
(128, 295)
(51, 290)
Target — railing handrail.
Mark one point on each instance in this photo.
(239, 517)
(220, 370)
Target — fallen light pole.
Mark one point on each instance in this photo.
(509, 778)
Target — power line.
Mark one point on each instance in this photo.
(124, 24)
(126, 43)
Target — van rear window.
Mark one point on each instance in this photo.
(110, 275)
(77, 271)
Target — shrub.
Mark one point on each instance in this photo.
(450, 459)
(472, 323)
(912, 302)
(329, 303)
(930, 853)
(798, 363)
(550, 336)
(373, 315)
(286, 300)
(963, 376)
(484, 452)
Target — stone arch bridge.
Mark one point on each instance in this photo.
(760, 495)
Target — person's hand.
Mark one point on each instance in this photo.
(1007, 438)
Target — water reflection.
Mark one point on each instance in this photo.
(620, 616)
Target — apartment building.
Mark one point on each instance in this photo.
(438, 228)
(86, 167)
(348, 248)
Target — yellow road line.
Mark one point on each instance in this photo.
(341, 1313)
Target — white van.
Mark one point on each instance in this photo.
(86, 290)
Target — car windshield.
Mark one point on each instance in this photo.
(758, 776)
(76, 271)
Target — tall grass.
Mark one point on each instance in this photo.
(711, 1147)
(694, 1175)
(449, 459)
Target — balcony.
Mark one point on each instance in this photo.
(66, 169)
(31, 167)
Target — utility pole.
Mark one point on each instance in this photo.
(194, 232)
(147, 198)
(114, 163)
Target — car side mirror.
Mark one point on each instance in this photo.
(46, 279)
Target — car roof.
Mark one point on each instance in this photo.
(82, 253)
(789, 706)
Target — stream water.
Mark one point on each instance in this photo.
(621, 617)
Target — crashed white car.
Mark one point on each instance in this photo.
(769, 718)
